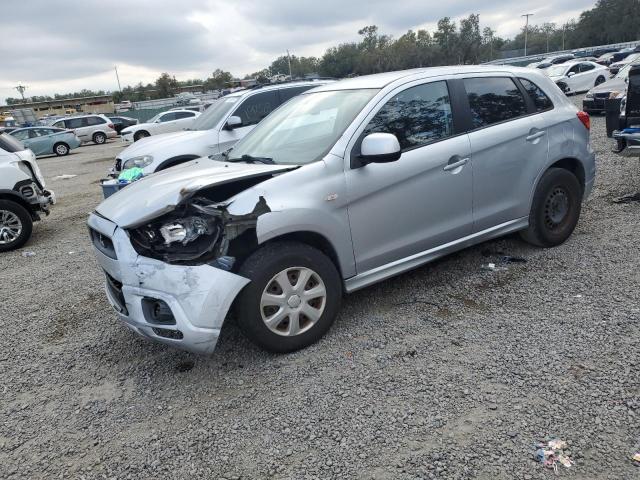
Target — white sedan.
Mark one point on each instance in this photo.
(575, 77)
(165, 122)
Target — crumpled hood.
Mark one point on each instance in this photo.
(160, 192)
(158, 142)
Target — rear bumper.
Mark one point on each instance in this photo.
(199, 297)
(593, 105)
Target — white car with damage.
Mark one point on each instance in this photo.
(165, 122)
(577, 77)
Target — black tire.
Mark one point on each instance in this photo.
(61, 149)
(140, 134)
(26, 225)
(99, 138)
(261, 267)
(600, 80)
(555, 210)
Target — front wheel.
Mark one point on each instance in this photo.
(141, 134)
(600, 80)
(555, 210)
(293, 298)
(15, 225)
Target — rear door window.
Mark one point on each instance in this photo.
(168, 117)
(540, 99)
(416, 116)
(494, 100)
(181, 115)
(256, 107)
(585, 67)
(76, 122)
(91, 121)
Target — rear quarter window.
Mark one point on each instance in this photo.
(540, 99)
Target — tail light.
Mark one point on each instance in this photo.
(110, 125)
(585, 119)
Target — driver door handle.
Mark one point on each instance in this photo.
(536, 136)
(455, 162)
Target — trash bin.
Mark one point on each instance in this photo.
(612, 113)
(109, 187)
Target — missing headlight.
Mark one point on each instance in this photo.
(195, 233)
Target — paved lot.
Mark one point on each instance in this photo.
(446, 372)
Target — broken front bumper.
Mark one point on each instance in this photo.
(181, 306)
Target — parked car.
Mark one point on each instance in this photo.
(47, 140)
(554, 60)
(194, 108)
(621, 55)
(7, 129)
(615, 67)
(594, 100)
(119, 122)
(215, 131)
(23, 194)
(165, 122)
(94, 128)
(341, 187)
(626, 129)
(605, 58)
(575, 77)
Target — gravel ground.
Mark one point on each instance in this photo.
(449, 371)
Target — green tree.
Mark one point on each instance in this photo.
(166, 85)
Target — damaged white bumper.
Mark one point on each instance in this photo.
(181, 306)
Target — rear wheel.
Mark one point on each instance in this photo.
(61, 149)
(99, 138)
(555, 210)
(293, 298)
(141, 134)
(15, 225)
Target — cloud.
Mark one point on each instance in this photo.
(55, 46)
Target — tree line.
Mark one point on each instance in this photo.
(463, 42)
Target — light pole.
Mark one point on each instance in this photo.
(289, 59)
(526, 30)
(117, 78)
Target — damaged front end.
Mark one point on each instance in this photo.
(198, 232)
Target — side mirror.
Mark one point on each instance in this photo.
(571, 74)
(233, 122)
(380, 148)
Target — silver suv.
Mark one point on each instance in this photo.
(343, 186)
(95, 128)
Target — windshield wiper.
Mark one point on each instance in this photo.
(252, 159)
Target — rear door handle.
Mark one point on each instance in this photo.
(536, 136)
(455, 162)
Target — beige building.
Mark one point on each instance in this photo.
(97, 104)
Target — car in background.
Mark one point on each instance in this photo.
(23, 193)
(621, 55)
(7, 129)
(615, 67)
(119, 122)
(228, 120)
(343, 186)
(575, 77)
(165, 122)
(594, 100)
(605, 59)
(95, 128)
(47, 140)
(554, 60)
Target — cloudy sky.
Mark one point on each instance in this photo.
(62, 46)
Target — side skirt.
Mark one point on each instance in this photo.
(397, 267)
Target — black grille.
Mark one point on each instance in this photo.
(115, 289)
(604, 95)
(103, 243)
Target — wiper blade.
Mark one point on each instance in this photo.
(252, 159)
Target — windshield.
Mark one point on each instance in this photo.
(216, 112)
(557, 70)
(305, 128)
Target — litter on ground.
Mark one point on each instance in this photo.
(552, 453)
(65, 176)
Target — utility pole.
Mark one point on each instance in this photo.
(117, 78)
(526, 30)
(563, 29)
(21, 89)
(289, 59)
